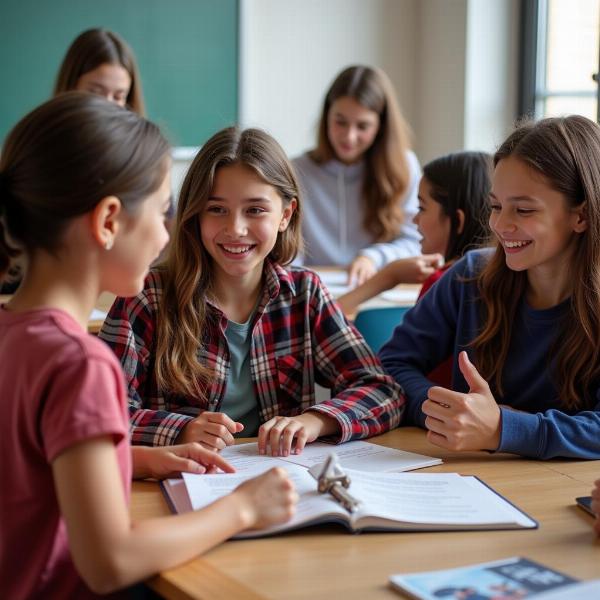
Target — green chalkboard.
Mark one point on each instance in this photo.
(187, 52)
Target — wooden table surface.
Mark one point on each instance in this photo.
(104, 303)
(327, 562)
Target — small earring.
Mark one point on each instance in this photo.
(108, 244)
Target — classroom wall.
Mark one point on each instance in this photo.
(453, 63)
(440, 84)
(491, 86)
(291, 50)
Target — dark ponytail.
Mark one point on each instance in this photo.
(462, 181)
(7, 252)
(61, 159)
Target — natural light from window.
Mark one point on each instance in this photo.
(568, 51)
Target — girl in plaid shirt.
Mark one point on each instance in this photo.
(224, 339)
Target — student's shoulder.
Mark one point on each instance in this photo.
(299, 280)
(306, 166)
(153, 285)
(472, 263)
(307, 284)
(64, 343)
(303, 161)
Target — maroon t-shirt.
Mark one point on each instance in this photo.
(59, 386)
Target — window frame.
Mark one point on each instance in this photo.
(532, 72)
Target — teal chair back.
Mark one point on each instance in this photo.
(377, 324)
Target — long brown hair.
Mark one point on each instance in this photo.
(566, 152)
(187, 274)
(387, 173)
(93, 48)
(61, 159)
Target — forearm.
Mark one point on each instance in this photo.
(551, 434)
(154, 545)
(156, 427)
(416, 387)
(364, 410)
(109, 551)
(381, 281)
(140, 460)
(326, 425)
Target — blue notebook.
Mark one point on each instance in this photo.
(514, 577)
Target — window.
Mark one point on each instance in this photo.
(560, 58)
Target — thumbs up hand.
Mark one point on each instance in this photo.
(457, 421)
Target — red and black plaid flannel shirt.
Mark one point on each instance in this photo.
(300, 337)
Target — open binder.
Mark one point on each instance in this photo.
(362, 501)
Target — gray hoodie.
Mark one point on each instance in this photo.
(332, 222)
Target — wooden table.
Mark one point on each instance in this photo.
(104, 303)
(330, 563)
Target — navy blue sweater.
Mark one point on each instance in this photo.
(447, 319)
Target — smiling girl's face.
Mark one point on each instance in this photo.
(532, 221)
(240, 222)
(351, 129)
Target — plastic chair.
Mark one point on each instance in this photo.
(377, 324)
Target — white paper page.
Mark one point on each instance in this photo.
(245, 457)
(489, 497)
(577, 591)
(333, 277)
(401, 295)
(97, 315)
(204, 489)
(363, 456)
(335, 281)
(429, 498)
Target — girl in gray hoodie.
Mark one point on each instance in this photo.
(360, 182)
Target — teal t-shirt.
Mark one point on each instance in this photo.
(240, 401)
